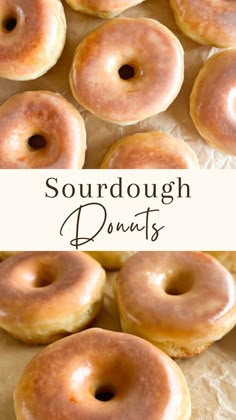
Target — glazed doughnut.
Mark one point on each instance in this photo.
(111, 260)
(213, 23)
(102, 8)
(32, 37)
(227, 258)
(153, 150)
(41, 130)
(99, 374)
(47, 295)
(212, 101)
(180, 301)
(127, 70)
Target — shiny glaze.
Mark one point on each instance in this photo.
(214, 23)
(202, 310)
(61, 381)
(144, 44)
(36, 43)
(47, 114)
(151, 150)
(213, 101)
(45, 295)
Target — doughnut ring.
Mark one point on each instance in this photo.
(180, 301)
(127, 70)
(213, 23)
(213, 99)
(47, 295)
(41, 130)
(32, 37)
(102, 375)
(102, 8)
(153, 150)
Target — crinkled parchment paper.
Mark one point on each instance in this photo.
(211, 376)
(175, 120)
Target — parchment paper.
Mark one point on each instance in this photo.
(175, 120)
(211, 376)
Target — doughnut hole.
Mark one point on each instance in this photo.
(127, 72)
(105, 393)
(178, 284)
(102, 380)
(9, 23)
(30, 149)
(36, 142)
(40, 276)
(109, 380)
(44, 277)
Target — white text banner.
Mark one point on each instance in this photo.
(118, 210)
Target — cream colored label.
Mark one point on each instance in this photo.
(117, 210)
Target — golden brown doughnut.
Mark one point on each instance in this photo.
(41, 130)
(152, 150)
(102, 8)
(32, 37)
(227, 258)
(180, 301)
(99, 374)
(211, 22)
(47, 295)
(127, 70)
(111, 260)
(213, 99)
